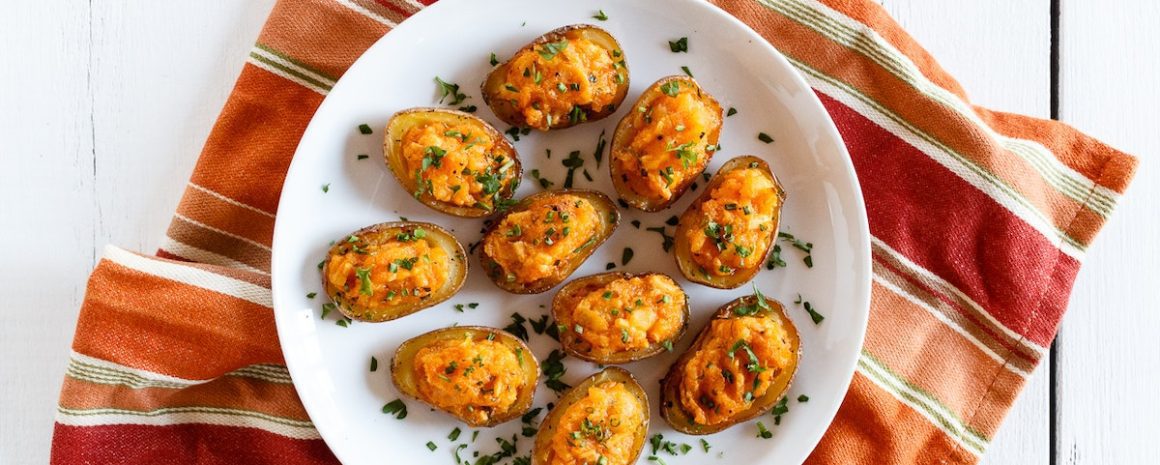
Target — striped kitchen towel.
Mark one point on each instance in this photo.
(979, 221)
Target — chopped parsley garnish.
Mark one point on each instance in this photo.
(549, 50)
(762, 432)
(803, 398)
(431, 446)
(397, 408)
(493, 60)
(761, 136)
(679, 45)
(468, 109)
(515, 132)
(541, 325)
(705, 445)
(732, 111)
(668, 345)
(553, 368)
(599, 153)
(374, 363)
(363, 156)
(666, 239)
(411, 235)
(364, 279)
(344, 322)
(311, 295)
(671, 88)
(327, 308)
(635, 223)
(364, 129)
(544, 182)
(454, 436)
(801, 245)
(600, 16)
(686, 70)
(775, 259)
(573, 162)
(780, 409)
(326, 188)
(449, 89)
(517, 326)
(814, 315)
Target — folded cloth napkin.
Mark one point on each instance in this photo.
(978, 218)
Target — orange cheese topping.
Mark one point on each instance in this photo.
(471, 378)
(459, 164)
(628, 314)
(388, 273)
(603, 423)
(733, 226)
(733, 366)
(539, 241)
(671, 142)
(561, 81)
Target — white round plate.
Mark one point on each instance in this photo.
(453, 40)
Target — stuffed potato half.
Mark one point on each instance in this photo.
(740, 365)
(613, 318)
(568, 76)
(664, 142)
(545, 237)
(452, 161)
(483, 376)
(723, 237)
(603, 420)
(391, 270)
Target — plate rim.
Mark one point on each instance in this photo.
(860, 218)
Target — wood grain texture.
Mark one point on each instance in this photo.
(1003, 61)
(103, 110)
(1108, 410)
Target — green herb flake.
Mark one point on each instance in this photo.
(705, 446)
(396, 408)
(671, 88)
(549, 50)
(517, 326)
(598, 155)
(686, 70)
(431, 446)
(762, 431)
(449, 89)
(761, 136)
(732, 111)
(326, 188)
(365, 129)
(311, 295)
(600, 16)
(363, 156)
(803, 398)
(374, 364)
(679, 45)
(626, 256)
(553, 368)
(493, 60)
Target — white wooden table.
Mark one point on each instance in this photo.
(104, 107)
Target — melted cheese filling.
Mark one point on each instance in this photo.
(671, 143)
(458, 164)
(627, 315)
(559, 81)
(733, 226)
(539, 242)
(602, 424)
(734, 366)
(390, 273)
(473, 379)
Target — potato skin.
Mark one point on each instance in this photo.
(610, 218)
(562, 316)
(670, 407)
(625, 130)
(493, 84)
(403, 359)
(548, 427)
(681, 248)
(392, 154)
(436, 235)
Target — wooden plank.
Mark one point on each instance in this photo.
(102, 153)
(1108, 410)
(1000, 53)
(47, 207)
